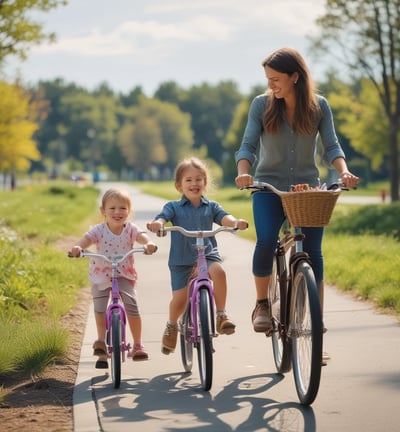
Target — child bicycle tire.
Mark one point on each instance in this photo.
(116, 348)
(204, 348)
(185, 338)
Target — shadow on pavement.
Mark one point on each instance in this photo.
(177, 396)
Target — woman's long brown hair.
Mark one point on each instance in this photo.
(307, 111)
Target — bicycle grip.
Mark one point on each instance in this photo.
(161, 233)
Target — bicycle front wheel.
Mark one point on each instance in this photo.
(185, 338)
(116, 348)
(204, 347)
(278, 298)
(306, 332)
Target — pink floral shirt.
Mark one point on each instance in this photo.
(110, 244)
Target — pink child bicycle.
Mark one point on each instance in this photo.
(117, 346)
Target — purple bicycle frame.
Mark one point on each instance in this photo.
(201, 281)
(115, 304)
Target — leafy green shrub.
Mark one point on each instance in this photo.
(19, 287)
(369, 219)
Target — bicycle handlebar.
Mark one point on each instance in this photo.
(198, 234)
(259, 185)
(113, 259)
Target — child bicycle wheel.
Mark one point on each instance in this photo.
(116, 348)
(306, 332)
(204, 348)
(186, 327)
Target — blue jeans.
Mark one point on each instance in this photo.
(268, 218)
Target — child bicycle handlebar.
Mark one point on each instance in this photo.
(117, 259)
(195, 233)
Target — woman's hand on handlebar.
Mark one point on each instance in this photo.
(349, 180)
(243, 180)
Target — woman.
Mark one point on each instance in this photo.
(280, 141)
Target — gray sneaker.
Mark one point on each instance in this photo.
(261, 318)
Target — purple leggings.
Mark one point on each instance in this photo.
(268, 218)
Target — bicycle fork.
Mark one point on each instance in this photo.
(113, 307)
(196, 287)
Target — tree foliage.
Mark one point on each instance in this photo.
(365, 35)
(19, 30)
(357, 113)
(155, 134)
(17, 126)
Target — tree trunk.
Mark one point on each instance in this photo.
(394, 159)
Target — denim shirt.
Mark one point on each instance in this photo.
(186, 215)
(286, 158)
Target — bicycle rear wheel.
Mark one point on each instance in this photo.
(186, 344)
(204, 347)
(278, 297)
(116, 348)
(306, 332)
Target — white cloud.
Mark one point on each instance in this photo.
(145, 42)
(163, 25)
(132, 37)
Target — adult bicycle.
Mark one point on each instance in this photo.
(117, 346)
(297, 326)
(197, 324)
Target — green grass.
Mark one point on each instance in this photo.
(357, 238)
(38, 283)
(47, 212)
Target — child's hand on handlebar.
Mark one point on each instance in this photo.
(241, 224)
(75, 252)
(156, 226)
(150, 248)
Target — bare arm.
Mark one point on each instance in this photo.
(82, 244)
(143, 239)
(231, 221)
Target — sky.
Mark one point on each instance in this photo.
(129, 43)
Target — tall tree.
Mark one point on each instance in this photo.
(168, 137)
(365, 34)
(17, 126)
(18, 28)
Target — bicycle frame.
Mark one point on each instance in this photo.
(201, 281)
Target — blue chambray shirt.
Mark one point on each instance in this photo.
(186, 215)
(286, 158)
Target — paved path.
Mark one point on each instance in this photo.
(360, 388)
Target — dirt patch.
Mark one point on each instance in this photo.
(46, 404)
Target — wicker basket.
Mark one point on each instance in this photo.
(309, 208)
